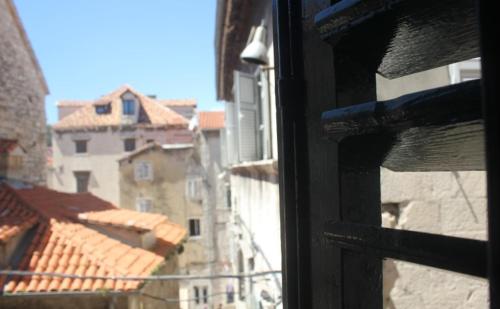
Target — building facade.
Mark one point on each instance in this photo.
(22, 97)
(91, 136)
(251, 148)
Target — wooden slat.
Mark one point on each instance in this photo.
(461, 255)
(434, 130)
(411, 35)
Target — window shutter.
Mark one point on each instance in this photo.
(247, 108)
(231, 133)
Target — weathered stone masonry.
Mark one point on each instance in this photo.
(22, 94)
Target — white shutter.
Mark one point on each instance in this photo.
(231, 133)
(247, 108)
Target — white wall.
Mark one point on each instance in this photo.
(255, 199)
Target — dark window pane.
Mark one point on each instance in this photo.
(129, 144)
(194, 227)
(82, 181)
(81, 146)
(103, 109)
(205, 295)
(196, 295)
(128, 107)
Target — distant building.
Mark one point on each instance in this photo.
(91, 136)
(210, 137)
(180, 181)
(22, 100)
(42, 230)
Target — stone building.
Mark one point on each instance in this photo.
(22, 96)
(209, 137)
(167, 179)
(42, 230)
(91, 136)
(180, 181)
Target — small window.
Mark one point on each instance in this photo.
(194, 227)
(103, 109)
(251, 264)
(229, 294)
(82, 181)
(143, 171)
(205, 295)
(193, 189)
(128, 107)
(144, 205)
(196, 295)
(149, 141)
(129, 144)
(81, 146)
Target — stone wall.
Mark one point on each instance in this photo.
(22, 95)
(446, 203)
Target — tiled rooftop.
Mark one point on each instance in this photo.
(152, 113)
(61, 239)
(178, 102)
(211, 120)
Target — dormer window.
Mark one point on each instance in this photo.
(103, 109)
(128, 107)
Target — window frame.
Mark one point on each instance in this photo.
(126, 144)
(139, 206)
(138, 173)
(79, 175)
(80, 142)
(196, 227)
(128, 107)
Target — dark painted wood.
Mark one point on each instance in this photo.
(462, 255)
(359, 189)
(440, 106)
(490, 34)
(322, 159)
(400, 37)
(434, 130)
(292, 175)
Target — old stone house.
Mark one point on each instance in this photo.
(180, 181)
(42, 230)
(444, 203)
(22, 96)
(91, 136)
(209, 140)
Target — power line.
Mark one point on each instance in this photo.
(139, 278)
(178, 300)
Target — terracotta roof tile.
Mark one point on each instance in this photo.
(178, 102)
(151, 113)
(211, 120)
(62, 243)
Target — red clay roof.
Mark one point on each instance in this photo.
(75, 103)
(211, 120)
(61, 243)
(151, 113)
(178, 102)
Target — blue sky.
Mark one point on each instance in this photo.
(88, 48)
